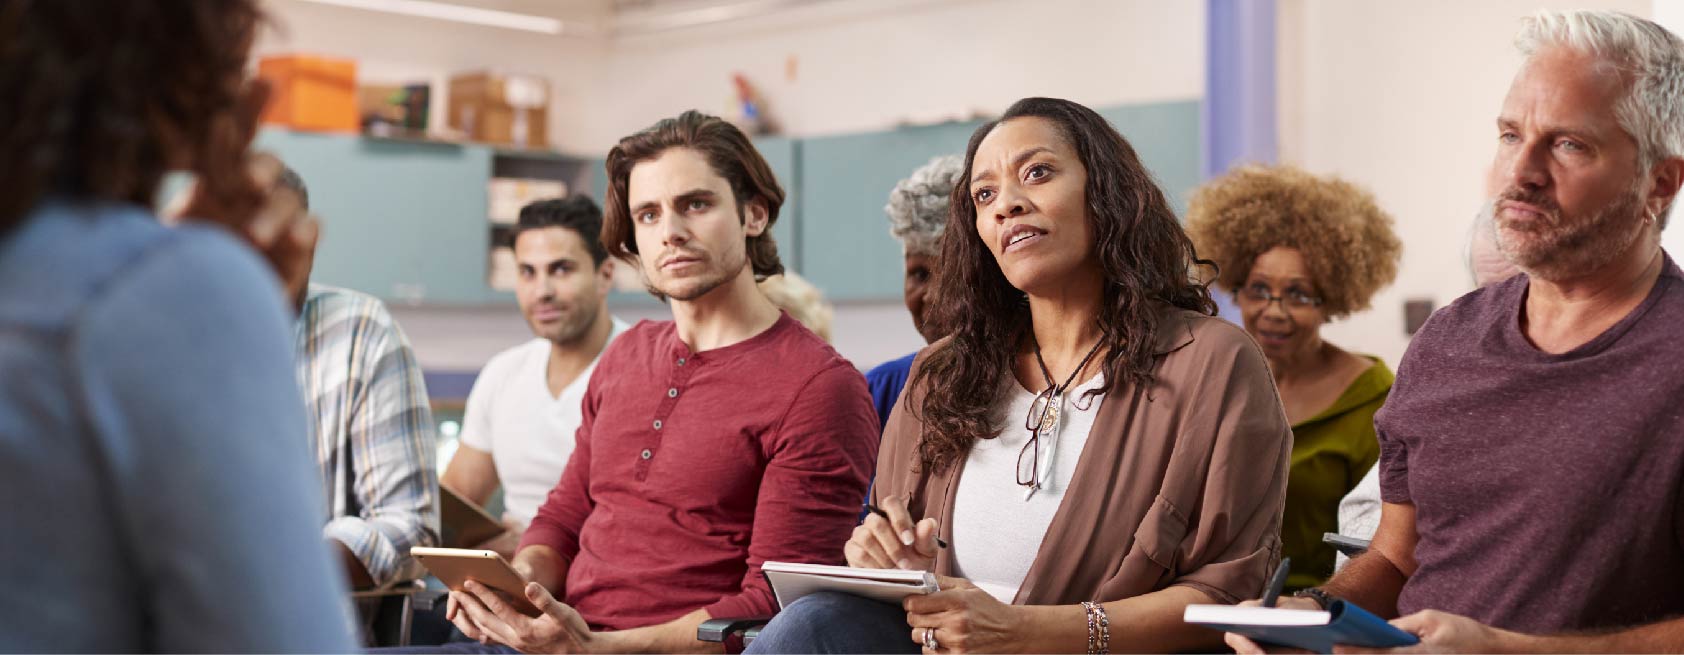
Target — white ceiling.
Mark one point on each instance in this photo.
(619, 17)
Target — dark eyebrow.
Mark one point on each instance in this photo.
(1016, 162)
(548, 264)
(1027, 154)
(696, 194)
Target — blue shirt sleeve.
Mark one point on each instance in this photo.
(886, 382)
(185, 367)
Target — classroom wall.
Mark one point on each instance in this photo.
(1401, 97)
(824, 68)
(871, 64)
(394, 48)
(858, 66)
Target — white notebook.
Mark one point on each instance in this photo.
(792, 581)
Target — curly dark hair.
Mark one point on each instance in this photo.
(731, 155)
(1345, 238)
(1147, 259)
(102, 97)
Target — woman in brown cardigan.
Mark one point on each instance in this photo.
(1098, 451)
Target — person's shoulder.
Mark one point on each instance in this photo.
(1474, 309)
(803, 351)
(335, 303)
(1189, 335)
(1672, 296)
(512, 358)
(898, 367)
(635, 343)
(1215, 331)
(67, 255)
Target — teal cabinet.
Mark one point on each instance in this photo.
(401, 220)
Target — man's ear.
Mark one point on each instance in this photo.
(605, 277)
(1668, 175)
(755, 217)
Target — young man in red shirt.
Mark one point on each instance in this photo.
(710, 444)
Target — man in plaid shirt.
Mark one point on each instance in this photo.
(371, 426)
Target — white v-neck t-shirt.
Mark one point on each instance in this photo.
(998, 525)
(529, 433)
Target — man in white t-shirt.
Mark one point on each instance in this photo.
(525, 406)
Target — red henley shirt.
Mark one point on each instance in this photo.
(691, 469)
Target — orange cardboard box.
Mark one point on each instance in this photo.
(310, 92)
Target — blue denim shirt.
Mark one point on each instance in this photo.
(157, 494)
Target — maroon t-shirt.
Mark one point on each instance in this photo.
(691, 469)
(1546, 487)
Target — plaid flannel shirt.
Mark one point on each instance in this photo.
(371, 429)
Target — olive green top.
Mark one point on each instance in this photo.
(1331, 451)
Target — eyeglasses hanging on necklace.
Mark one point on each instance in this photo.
(1044, 413)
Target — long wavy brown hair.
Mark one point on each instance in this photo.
(1146, 257)
(100, 98)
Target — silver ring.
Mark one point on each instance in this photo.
(930, 639)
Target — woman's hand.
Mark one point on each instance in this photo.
(892, 543)
(963, 619)
(1243, 645)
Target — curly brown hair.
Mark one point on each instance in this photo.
(102, 97)
(1346, 239)
(1147, 260)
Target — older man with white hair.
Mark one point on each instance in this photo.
(1532, 450)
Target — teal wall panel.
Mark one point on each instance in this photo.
(1166, 136)
(395, 215)
(846, 248)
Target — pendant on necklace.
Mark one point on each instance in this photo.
(1049, 418)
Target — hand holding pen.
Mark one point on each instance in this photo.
(1276, 583)
(889, 539)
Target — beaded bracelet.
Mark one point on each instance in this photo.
(1099, 628)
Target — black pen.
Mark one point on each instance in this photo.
(940, 543)
(1276, 583)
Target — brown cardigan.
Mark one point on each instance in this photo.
(1180, 485)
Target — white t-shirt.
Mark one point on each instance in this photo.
(1359, 512)
(529, 434)
(997, 524)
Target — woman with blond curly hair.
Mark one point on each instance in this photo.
(1299, 251)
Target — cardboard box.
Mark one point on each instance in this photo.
(496, 108)
(310, 92)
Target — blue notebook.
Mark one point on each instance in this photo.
(1312, 630)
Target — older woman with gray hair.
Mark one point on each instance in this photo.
(917, 212)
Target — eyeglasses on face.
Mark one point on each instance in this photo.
(1293, 298)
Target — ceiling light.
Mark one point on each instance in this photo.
(455, 13)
